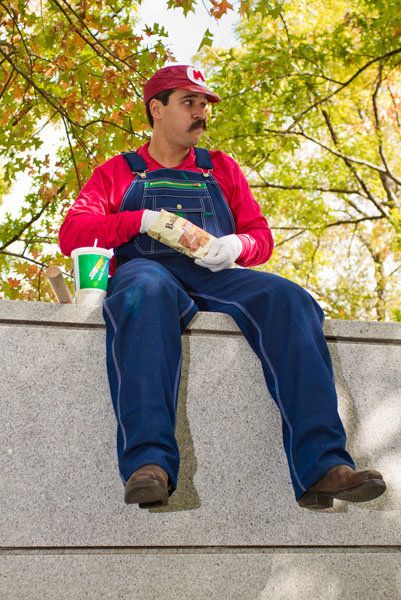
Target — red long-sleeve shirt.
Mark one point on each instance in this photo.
(94, 214)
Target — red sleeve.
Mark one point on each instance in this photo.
(94, 214)
(252, 227)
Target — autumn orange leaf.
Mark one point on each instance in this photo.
(220, 8)
(32, 270)
(13, 283)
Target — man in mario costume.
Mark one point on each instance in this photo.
(155, 291)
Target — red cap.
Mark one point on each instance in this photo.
(182, 77)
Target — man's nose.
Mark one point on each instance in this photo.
(200, 112)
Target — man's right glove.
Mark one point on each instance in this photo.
(222, 254)
(148, 218)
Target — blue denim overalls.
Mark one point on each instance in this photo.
(155, 293)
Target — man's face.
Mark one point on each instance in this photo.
(183, 120)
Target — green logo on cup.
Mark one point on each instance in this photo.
(93, 271)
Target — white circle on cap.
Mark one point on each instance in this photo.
(196, 76)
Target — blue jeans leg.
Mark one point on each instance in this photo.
(145, 310)
(283, 325)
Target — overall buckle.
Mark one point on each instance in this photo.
(141, 174)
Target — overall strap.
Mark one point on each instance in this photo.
(135, 162)
(138, 165)
(203, 159)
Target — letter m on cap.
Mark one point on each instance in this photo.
(196, 76)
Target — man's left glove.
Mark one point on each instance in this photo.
(148, 218)
(222, 254)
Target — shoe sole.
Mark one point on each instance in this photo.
(363, 492)
(147, 494)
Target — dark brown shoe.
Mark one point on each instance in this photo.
(343, 483)
(148, 487)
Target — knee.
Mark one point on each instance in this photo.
(140, 278)
(293, 297)
(287, 288)
(151, 278)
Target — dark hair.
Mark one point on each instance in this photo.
(163, 97)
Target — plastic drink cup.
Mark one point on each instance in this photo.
(91, 271)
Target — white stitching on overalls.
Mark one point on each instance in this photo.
(118, 374)
(182, 315)
(177, 379)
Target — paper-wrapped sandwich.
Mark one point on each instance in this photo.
(182, 235)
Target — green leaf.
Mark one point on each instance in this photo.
(298, 112)
(207, 39)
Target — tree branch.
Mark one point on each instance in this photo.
(284, 132)
(5, 86)
(395, 106)
(353, 221)
(54, 102)
(343, 85)
(380, 277)
(85, 39)
(385, 177)
(106, 122)
(27, 258)
(378, 125)
(277, 245)
(312, 261)
(93, 46)
(15, 22)
(17, 236)
(72, 155)
(23, 257)
(278, 78)
(352, 168)
(286, 228)
(38, 130)
(285, 27)
(357, 161)
(267, 184)
(332, 224)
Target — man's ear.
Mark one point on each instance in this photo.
(155, 108)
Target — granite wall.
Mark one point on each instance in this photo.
(232, 530)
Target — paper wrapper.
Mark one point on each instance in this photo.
(182, 235)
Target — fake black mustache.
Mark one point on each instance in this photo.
(199, 123)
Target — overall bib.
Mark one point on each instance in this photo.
(155, 293)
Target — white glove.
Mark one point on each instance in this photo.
(222, 254)
(148, 218)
